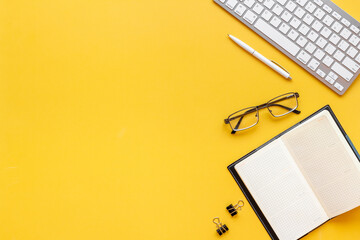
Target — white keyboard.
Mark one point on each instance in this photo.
(316, 34)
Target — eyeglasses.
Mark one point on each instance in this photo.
(249, 117)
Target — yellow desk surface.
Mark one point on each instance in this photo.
(111, 119)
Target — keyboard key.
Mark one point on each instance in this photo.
(327, 8)
(328, 61)
(328, 20)
(269, 3)
(313, 35)
(321, 42)
(286, 16)
(319, 54)
(319, 14)
(339, 55)
(336, 15)
(350, 64)
(333, 75)
(302, 41)
(330, 49)
(295, 23)
(339, 86)
(304, 29)
(342, 71)
(308, 19)
(313, 65)
(293, 34)
(319, 2)
(352, 52)
(282, 2)
(358, 58)
(258, 8)
(231, 3)
(290, 6)
(250, 17)
(325, 32)
(343, 45)
(240, 9)
(277, 9)
(284, 28)
(354, 40)
(317, 26)
(345, 22)
(301, 2)
(345, 33)
(355, 29)
(277, 37)
(330, 80)
(299, 12)
(267, 15)
(249, 3)
(320, 73)
(275, 21)
(304, 57)
(334, 39)
(311, 48)
(336, 27)
(310, 7)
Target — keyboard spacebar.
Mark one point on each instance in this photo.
(277, 37)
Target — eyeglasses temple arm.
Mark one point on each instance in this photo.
(279, 105)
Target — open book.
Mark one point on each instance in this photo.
(301, 178)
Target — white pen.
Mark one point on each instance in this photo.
(268, 62)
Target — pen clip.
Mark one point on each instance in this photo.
(280, 66)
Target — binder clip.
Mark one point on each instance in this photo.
(221, 228)
(233, 209)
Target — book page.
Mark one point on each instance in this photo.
(327, 162)
(281, 192)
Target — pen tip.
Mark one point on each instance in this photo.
(290, 78)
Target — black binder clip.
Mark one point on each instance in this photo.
(221, 228)
(233, 209)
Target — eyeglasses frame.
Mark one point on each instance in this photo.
(262, 106)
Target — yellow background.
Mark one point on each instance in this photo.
(111, 119)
